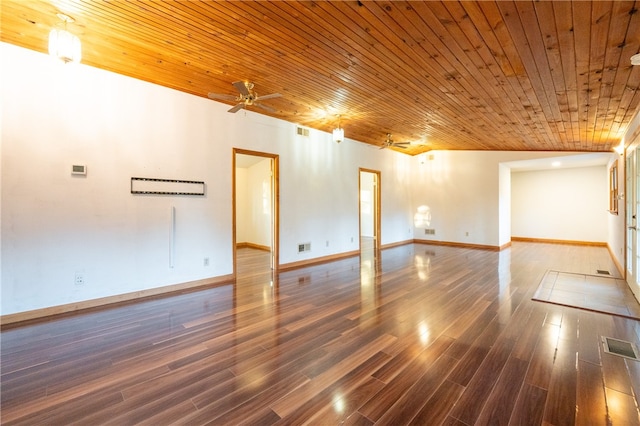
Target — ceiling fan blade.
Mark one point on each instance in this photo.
(237, 108)
(241, 87)
(222, 96)
(263, 106)
(271, 96)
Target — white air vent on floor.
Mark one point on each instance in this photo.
(620, 347)
(430, 232)
(304, 247)
(302, 131)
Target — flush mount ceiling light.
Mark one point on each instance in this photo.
(635, 59)
(338, 133)
(62, 44)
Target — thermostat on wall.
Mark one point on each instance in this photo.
(78, 169)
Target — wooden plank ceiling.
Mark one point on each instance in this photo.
(487, 75)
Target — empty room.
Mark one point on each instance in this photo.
(319, 212)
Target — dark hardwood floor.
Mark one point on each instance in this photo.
(419, 335)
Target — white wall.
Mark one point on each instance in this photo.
(616, 225)
(504, 208)
(242, 205)
(253, 216)
(366, 204)
(469, 197)
(55, 225)
(561, 204)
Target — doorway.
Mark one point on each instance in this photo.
(369, 210)
(255, 204)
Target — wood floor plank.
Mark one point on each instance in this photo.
(542, 360)
(562, 391)
(411, 402)
(345, 406)
(591, 403)
(622, 408)
(336, 344)
(374, 408)
(472, 400)
(589, 339)
(333, 396)
(436, 408)
(469, 364)
(529, 409)
(286, 405)
(502, 400)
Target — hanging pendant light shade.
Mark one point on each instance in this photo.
(338, 133)
(63, 45)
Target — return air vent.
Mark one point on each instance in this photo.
(304, 247)
(430, 232)
(620, 348)
(302, 131)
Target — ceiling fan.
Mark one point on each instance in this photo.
(388, 143)
(246, 97)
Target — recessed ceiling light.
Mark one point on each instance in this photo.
(635, 59)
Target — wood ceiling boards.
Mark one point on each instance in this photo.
(470, 75)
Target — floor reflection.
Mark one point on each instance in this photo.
(370, 273)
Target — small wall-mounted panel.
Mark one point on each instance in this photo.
(166, 186)
(79, 169)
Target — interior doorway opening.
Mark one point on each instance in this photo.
(255, 204)
(369, 210)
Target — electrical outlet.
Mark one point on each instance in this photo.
(327, 244)
(206, 261)
(466, 233)
(79, 279)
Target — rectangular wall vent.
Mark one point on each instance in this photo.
(620, 348)
(79, 169)
(430, 232)
(304, 247)
(303, 132)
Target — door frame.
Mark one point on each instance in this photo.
(377, 196)
(632, 207)
(275, 206)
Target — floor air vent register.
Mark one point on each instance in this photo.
(620, 348)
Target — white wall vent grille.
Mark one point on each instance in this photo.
(302, 131)
(430, 232)
(304, 247)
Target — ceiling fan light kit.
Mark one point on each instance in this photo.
(390, 143)
(246, 97)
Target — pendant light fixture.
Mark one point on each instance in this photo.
(62, 44)
(338, 133)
